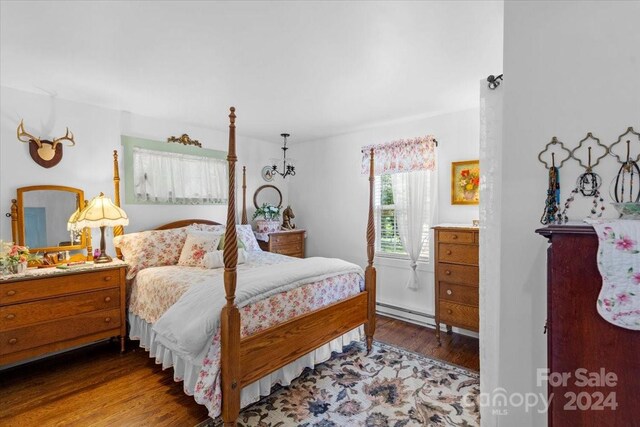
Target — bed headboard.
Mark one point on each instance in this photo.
(185, 222)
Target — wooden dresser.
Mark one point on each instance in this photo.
(456, 278)
(40, 314)
(579, 338)
(289, 243)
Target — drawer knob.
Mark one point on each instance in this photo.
(107, 320)
(449, 311)
(10, 316)
(107, 299)
(11, 293)
(107, 278)
(449, 252)
(449, 292)
(13, 341)
(447, 272)
(454, 237)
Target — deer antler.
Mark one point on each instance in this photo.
(23, 134)
(66, 136)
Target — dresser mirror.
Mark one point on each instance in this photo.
(269, 194)
(39, 217)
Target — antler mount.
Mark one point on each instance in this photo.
(44, 152)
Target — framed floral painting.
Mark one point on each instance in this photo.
(465, 182)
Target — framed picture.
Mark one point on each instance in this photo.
(465, 182)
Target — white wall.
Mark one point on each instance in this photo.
(570, 67)
(330, 197)
(89, 164)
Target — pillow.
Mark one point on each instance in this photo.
(221, 245)
(245, 234)
(196, 245)
(215, 259)
(151, 248)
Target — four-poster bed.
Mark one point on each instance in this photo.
(246, 359)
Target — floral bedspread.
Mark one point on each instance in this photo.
(156, 289)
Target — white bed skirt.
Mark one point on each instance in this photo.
(188, 373)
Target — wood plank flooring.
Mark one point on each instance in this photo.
(98, 386)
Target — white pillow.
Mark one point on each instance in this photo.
(197, 244)
(215, 259)
(245, 234)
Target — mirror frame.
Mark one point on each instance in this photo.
(255, 195)
(17, 218)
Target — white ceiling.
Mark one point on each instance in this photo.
(311, 68)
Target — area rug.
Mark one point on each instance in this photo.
(390, 387)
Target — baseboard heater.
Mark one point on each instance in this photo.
(429, 318)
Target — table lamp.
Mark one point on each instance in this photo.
(100, 212)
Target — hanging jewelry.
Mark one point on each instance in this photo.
(628, 173)
(588, 184)
(553, 194)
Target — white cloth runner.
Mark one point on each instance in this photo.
(188, 326)
(619, 265)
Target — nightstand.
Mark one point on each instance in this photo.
(289, 243)
(47, 311)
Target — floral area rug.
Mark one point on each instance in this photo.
(390, 387)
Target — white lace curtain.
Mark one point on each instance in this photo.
(414, 196)
(166, 177)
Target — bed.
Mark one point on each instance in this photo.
(277, 315)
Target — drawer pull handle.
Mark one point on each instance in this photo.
(11, 293)
(13, 341)
(454, 237)
(447, 272)
(449, 311)
(449, 292)
(10, 316)
(448, 252)
(107, 320)
(107, 299)
(107, 278)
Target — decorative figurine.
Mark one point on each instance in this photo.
(287, 216)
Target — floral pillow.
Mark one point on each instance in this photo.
(196, 246)
(151, 248)
(245, 234)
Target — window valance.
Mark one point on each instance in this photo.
(403, 155)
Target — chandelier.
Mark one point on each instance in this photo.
(287, 165)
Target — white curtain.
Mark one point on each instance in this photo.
(166, 177)
(414, 196)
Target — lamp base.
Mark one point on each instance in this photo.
(102, 259)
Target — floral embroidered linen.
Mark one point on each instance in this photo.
(151, 248)
(196, 246)
(619, 265)
(245, 234)
(404, 155)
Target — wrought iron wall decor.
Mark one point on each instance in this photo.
(625, 187)
(494, 81)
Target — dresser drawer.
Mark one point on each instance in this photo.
(56, 285)
(461, 315)
(459, 293)
(18, 315)
(451, 236)
(455, 273)
(288, 238)
(290, 250)
(463, 254)
(58, 330)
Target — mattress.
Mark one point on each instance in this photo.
(156, 289)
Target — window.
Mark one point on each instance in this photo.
(388, 241)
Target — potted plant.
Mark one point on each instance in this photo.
(13, 258)
(270, 218)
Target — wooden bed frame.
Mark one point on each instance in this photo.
(245, 360)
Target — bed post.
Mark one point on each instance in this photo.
(244, 196)
(370, 271)
(117, 230)
(230, 316)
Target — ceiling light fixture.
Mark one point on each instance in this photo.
(287, 165)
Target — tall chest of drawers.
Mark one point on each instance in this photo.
(41, 314)
(456, 278)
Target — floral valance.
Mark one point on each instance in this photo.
(403, 155)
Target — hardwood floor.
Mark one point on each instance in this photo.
(98, 386)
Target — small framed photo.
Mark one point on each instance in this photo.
(465, 182)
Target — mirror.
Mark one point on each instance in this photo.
(40, 215)
(267, 194)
